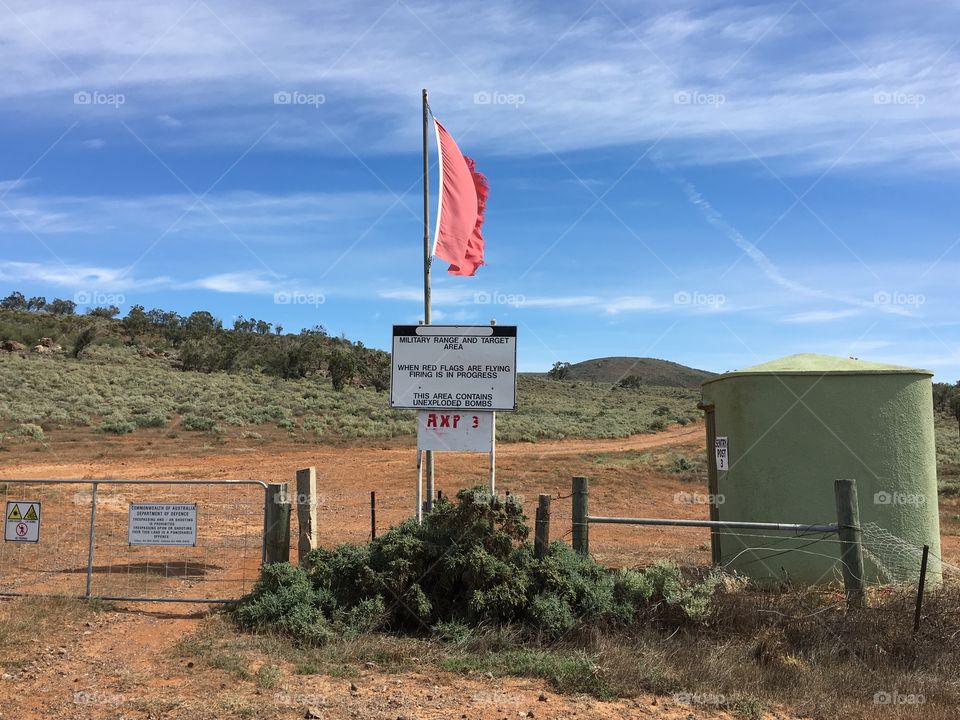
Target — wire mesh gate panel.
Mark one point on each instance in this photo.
(84, 550)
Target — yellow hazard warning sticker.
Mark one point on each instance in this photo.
(22, 522)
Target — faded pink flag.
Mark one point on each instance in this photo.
(463, 198)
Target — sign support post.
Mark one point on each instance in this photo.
(419, 487)
(493, 453)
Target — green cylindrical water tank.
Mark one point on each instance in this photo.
(793, 426)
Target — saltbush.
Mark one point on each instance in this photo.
(468, 565)
(117, 426)
(197, 422)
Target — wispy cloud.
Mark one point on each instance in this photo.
(78, 277)
(237, 282)
(821, 316)
(771, 74)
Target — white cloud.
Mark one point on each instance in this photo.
(790, 87)
(94, 143)
(236, 282)
(79, 277)
(169, 121)
(632, 303)
(821, 316)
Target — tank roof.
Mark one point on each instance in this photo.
(813, 364)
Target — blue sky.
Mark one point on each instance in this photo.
(710, 183)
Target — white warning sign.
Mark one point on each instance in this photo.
(22, 521)
(162, 524)
(454, 367)
(722, 453)
(455, 431)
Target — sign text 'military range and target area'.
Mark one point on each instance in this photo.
(464, 367)
(162, 524)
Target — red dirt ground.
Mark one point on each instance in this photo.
(126, 661)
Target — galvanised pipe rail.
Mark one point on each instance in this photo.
(730, 524)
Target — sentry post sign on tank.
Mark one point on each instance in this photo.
(462, 367)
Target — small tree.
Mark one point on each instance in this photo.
(631, 382)
(38, 302)
(14, 301)
(342, 366)
(84, 339)
(201, 323)
(559, 371)
(109, 312)
(137, 322)
(62, 307)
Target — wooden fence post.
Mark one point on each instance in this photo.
(581, 529)
(307, 511)
(276, 524)
(541, 540)
(851, 549)
(373, 514)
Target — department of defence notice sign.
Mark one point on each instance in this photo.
(162, 524)
(454, 367)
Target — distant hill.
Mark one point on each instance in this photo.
(651, 371)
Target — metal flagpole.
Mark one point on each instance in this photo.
(426, 268)
(493, 446)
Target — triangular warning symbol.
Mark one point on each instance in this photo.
(15, 513)
(31, 513)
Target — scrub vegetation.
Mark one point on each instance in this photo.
(464, 593)
(155, 369)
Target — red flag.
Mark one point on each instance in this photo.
(463, 198)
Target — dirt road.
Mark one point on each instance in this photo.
(133, 664)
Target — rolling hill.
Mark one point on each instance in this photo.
(651, 371)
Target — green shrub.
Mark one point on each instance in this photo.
(150, 420)
(197, 422)
(468, 565)
(284, 599)
(453, 632)
(29, 430)
(117, 426)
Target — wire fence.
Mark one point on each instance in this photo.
(80, 552)
(225, 561)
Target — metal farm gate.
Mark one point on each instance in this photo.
(142, 540)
